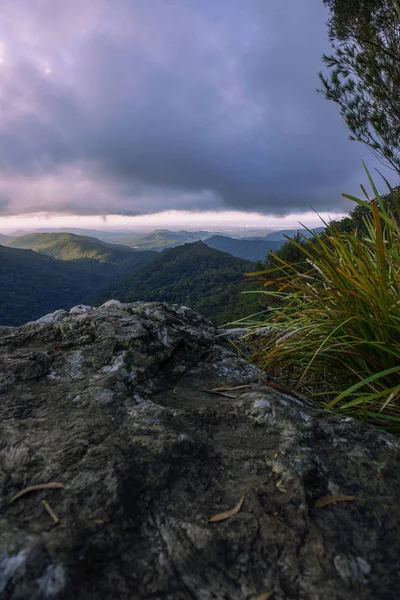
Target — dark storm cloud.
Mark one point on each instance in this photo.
(134, 106)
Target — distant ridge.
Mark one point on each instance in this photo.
(160, 239)
(277, 236)
(105, 259)
(253, 250)
(4, 238)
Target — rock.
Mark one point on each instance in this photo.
(115, 404)
(246, 340)
(80, 309)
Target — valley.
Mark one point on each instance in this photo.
(44, 271)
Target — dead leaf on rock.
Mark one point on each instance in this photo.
(265, 596)
(219, 393)
(230, 389)
(34, 488)
(51, 512)
(326, 500)
(228, 513)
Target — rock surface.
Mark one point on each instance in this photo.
(115, 404)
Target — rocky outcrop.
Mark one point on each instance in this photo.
(119, 406)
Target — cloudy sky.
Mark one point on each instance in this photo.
(196, 109)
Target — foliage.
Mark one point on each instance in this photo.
(205, 279)
(338, 327)
(291, 251)
(355, 222)
(32, 285)
(364, 75)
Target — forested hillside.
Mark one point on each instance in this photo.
(205, 279)
(105, 259)
(32, 285)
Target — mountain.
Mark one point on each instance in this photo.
(105, 259)
(205, 279)
(4, 238)
(160, 239)
(32, 285)
(101, 234)
(279, 236)
(247, 249)
(18, 232)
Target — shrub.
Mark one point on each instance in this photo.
(337, 326)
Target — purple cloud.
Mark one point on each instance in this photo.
(137, 107)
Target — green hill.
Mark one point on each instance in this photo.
(195, 275)
(32, 285)
(248, 249)
(108, 261)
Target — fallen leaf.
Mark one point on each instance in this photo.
(230, 389)
(34, 488)
(326, 500)
(265, 596)
(228, 513)
(219, 393)
(51, 512)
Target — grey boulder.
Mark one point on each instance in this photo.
(122, 406)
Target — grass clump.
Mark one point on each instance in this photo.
(336, 327)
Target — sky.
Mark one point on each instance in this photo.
(116, 112)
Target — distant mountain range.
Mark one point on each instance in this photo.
(256, 249)
(161, 239)
(155, 240)
(280, 236)
(42, 272)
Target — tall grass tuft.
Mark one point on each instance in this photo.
(336, 328)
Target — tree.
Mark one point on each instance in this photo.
(364, 78)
